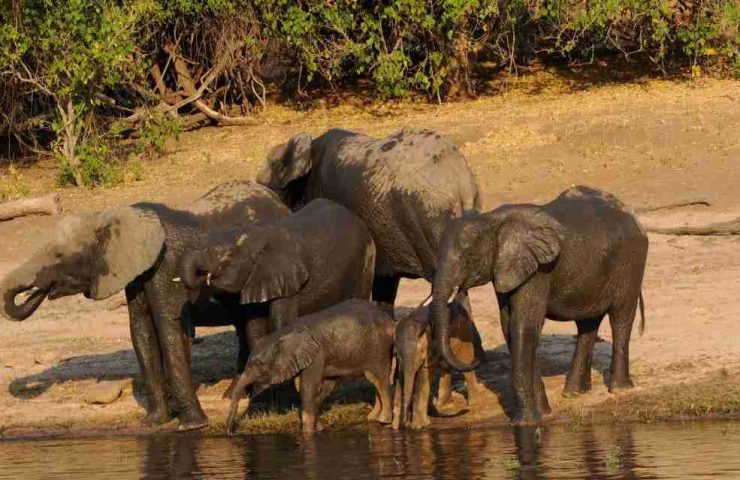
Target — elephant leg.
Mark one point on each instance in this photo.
(327, 386)
(175, 344)
(621, 319)
(410, 368)
(422, 388)
(383, 410)
(283, 312)
(385, 290)
(310, 385)
(578, 380)
(444, 391)
(256, 329)
(146, 346)
(539, 387)
(528, 308)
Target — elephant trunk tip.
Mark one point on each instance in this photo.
(19, 312)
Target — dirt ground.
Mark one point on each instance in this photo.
(648, 143)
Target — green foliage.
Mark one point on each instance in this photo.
(156, 130)
(96, 166)
(12, 185)
(78, 67)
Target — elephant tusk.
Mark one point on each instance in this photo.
(208, 279)
(177, 279)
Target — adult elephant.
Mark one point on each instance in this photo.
(405, 187)
(138, 249)
(578, 258)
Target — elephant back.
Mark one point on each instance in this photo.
(248, 201)
(405, 187)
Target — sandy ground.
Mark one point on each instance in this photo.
(648, 143)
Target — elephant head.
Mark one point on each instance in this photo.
(287, 167)
(276, 359)
(506, 245)
(265, 263)
(94, 254)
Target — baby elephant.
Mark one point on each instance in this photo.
(416, 362)
(353, 338)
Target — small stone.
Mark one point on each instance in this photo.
(104, 392)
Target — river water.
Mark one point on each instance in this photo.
(657, 451)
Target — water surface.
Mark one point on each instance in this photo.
(658, 451)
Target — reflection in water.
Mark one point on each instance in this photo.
(627, 452)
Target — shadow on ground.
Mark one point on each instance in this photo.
(213, 359)
(554, 356)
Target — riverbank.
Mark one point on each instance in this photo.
(649, 143)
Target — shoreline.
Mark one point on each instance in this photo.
(701, 401)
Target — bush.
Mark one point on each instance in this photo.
(87, 70)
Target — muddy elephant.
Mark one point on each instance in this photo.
(296, 265)
(418, 363)
(580, 257)
(404, 186)
(350, 339)
(138, 249)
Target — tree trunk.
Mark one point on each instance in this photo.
(46, 205)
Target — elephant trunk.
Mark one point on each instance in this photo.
(236, 395)
(19, 281)
(194, 272)
(443, 289)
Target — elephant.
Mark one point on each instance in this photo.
(350, 339)
(580, 257)
(138, 249)
(405, 187)
(295, 264)
(417, 361)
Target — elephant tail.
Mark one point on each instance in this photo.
(641, 328)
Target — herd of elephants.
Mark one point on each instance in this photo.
(306, 261)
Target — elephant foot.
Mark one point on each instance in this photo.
(157, 418)
(385, 417)
(419, 423)
(576, 391)
(192, 421)
(375, 412)
(576, 388)
(619, 386)
(444, 403)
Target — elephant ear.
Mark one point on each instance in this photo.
(527, 238)
(294, 351)
(130, 242)
(288, 161)
(276, 273)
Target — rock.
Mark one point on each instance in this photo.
(104, 392)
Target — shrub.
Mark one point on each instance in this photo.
(86, 70)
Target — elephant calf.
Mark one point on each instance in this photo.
(353, 338)
(580, 257)
(416, 361)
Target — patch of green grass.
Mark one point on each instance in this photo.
(716, 397)
(337, 417)
(12, 185)
(510, 463)
(612, 457)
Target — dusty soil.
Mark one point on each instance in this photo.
(648, 143)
